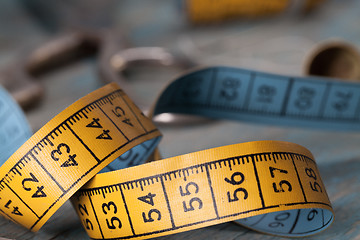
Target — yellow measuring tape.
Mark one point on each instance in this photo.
(275, 187)
(67, 152)
(205, 188)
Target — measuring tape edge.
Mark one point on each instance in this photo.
(201, 157)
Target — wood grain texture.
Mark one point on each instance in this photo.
(277, 45)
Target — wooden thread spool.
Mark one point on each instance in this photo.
(336, 59)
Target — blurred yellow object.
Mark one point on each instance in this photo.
(206, 11)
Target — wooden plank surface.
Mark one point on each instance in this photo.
(278, 45)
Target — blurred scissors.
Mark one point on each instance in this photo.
(20, 77)
(112, 60)
(82, 34)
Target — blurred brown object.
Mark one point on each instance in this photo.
(82, 29)
(20, 77)
(210, 11)
(334, 58)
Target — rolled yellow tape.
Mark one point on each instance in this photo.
(206, 188)
(67, 152)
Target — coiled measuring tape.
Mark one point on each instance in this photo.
(239, 94)
(68, 151)
(275, 187)
(278, 181)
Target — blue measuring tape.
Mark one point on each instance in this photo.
(14, 128)
(238, 94)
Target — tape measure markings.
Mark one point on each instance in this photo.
(243, 94)
(113, 121)
(57, 178)
(158, 176)
(160, 188)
